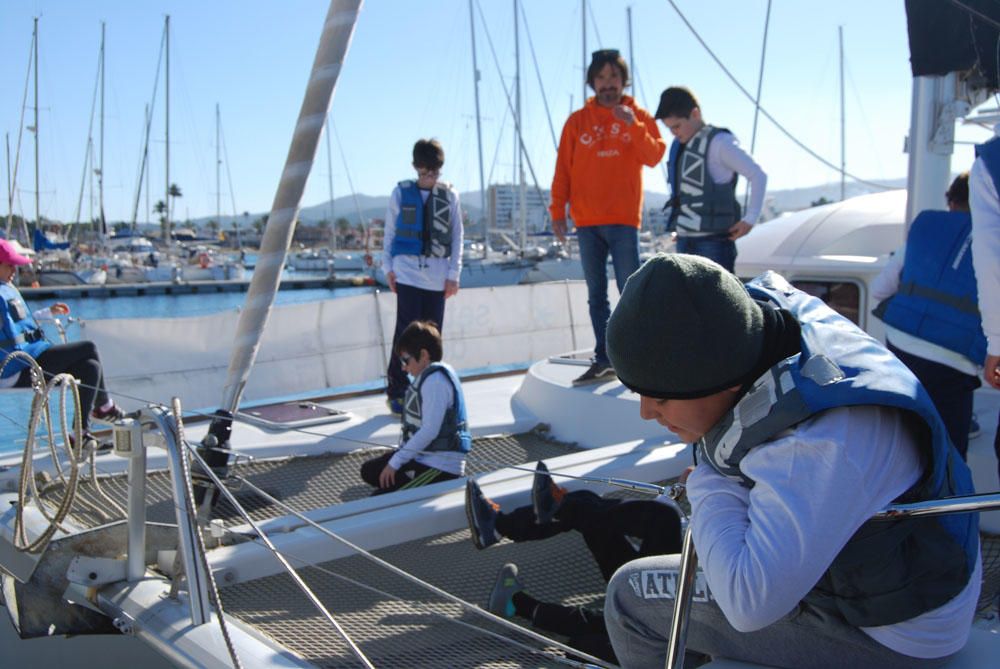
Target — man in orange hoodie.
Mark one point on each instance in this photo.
(599, 175)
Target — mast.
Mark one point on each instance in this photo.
(479, 128)
(38, 215)
(843, 159)
(583, 27)
(329, 183)
(218, 164)
(522, 198)
(10, 188)
(338, 27)
(631, 54)
(100, 175)
(166, 114)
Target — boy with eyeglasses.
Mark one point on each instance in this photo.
(422, 254)
(435, 438)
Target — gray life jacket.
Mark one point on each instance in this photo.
(454, 434)
(699, 205)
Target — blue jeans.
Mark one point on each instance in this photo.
(596, 241)
(719, 248)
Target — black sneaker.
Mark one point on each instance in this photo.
(598, 371)
(481, 512)
(501, 601)
(112, 415)
(546, 496)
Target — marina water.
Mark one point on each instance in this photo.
(15, 406)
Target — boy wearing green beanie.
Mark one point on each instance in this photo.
(805, 427)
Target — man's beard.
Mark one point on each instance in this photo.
(609, 95)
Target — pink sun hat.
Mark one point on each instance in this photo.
(9, 253)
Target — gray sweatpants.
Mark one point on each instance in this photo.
(640, 603)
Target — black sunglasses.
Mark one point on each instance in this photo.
(405, 359)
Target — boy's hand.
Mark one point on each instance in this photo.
(559, 229)
(390, 277)
(739, 229)
(59, 309)
(387, 478)
(450, 288)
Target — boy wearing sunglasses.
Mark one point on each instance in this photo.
(435, 438)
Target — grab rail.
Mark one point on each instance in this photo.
(689, 560)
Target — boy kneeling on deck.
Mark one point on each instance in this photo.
(435, 435)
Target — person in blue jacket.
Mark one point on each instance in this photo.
(435, 435)
(927, 297)
(21, 332)
(805, 427)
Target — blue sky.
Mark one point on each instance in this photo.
(409, 75)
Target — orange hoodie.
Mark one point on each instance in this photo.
(599, 167)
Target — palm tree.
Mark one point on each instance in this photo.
(161, 208)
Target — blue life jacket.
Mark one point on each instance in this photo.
(889, 571)
(990, 153)
(454, 434)
(697, 203)
(20, 331)
(423, 228)
(937, 299)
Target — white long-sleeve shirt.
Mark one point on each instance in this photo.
(985, 206)
(436, 397)
(884, 286)
(726, 158)
(423, 271)
(763, 549)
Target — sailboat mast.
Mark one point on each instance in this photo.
(218, 166)
(583, 28)
(166, 115)
(38, 215)
(479, 127)
(522, 208)
(631, 54)
(329, 182)
(843, 137)
(100, 175)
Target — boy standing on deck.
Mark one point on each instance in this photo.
(435, 435)
(422, 255)
(704, 164)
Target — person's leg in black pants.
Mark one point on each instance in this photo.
(81, 360)
(412, 304)
(405, 476)
(950, 391)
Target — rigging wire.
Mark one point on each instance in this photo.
(765, 113)
(144, 159)
(538, 74)
(406, 575)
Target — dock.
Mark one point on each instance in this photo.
(188, 287)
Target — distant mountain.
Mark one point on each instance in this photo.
(373, 206)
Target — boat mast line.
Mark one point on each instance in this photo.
(472, 608)
(306, 590)
(764, 112)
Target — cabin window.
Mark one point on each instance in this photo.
(842, 297)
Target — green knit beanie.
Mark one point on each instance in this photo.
(684, 328)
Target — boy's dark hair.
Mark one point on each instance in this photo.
(958, 192)
(421, 335)
(428, 153)
(676, 101)
(603, 57)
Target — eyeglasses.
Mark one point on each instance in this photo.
(405, 359)
(429, 171)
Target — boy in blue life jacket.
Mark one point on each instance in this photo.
(422, 252)
(435, 435)
(805, 427)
